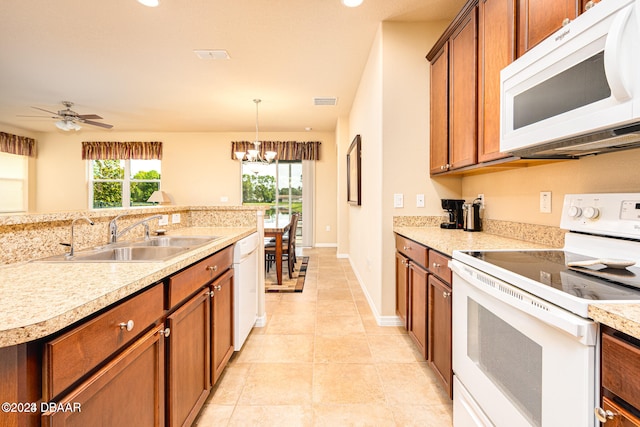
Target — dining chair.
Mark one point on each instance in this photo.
(288, 248)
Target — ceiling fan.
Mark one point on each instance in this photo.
(68, 119)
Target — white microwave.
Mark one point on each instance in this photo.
(578, 91)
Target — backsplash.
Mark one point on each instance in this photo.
(30, 236)
(535, 233)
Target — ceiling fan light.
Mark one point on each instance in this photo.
(74, 126)
(149, 3)
(350, 3)
(62, 125)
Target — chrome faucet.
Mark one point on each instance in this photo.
(113, 227)
(73, 223)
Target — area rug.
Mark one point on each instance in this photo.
(288, 285)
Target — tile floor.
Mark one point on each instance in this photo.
(322, 360)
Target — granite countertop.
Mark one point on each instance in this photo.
(39, 299)
(624, 317)
(446, 241)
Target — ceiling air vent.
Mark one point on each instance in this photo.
(325, 101)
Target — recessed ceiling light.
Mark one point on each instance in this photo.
(308, 128)
(352, 3)
(212, 54)
(150, 3)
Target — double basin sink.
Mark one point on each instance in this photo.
(159, 248)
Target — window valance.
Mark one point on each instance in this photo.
(112, 150)
(15, 144)
(287, 150)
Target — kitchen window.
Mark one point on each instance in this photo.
(122, 183)
(13, 182)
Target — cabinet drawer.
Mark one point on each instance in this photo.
(72, 355)
(188, 281)
(621, 368)
(439, 265)
(414, 251)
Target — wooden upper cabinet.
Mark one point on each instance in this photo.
(463, 80)
(439, 138)
(496, 50)
(538, 19)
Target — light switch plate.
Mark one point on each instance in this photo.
(398, 200)
(419, 200)
(164, 220)
(175, 218)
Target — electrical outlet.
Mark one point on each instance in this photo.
(175, 218)
(420, 201)
(481, 197)
(545, 201)
(328, 228)
(224, 199)
(164, 220)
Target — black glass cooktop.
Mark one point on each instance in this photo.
(550, 268)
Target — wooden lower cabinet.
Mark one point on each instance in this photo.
(128, 391)
(418, 307)
(622, 417)
(402, 287)
(221, 323)
(439, 322)
(188, 360)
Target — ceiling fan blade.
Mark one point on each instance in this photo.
(88, 116)
(102, 125)
(46, 111)
(41, 117)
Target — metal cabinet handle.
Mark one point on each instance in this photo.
(446, 294)
(212, 268)
(165, 332)
(565, 22)
(436, 265)
(127, 325)
(406, 248)
(589, 5)
(218, 288)
(211, 294)
(602, 415)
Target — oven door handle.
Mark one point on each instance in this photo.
(582, 329)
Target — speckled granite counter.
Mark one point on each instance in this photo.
(446, 241)
(38, 299)
(621, 316)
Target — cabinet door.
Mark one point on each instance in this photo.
(402, 286)
(440, 332)
(188, 360)
(128, 391)
(418, 307)
(439, 96)
(496, 50)
(221, 323)
(622, 417)
(538, 19)
(463, 81)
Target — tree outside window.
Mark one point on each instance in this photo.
(123, 183)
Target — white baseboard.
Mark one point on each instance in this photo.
(380, 320)
(342, 256)
(326, 245)
(261, 321)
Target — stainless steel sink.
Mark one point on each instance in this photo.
(176, 241)
(159, 248)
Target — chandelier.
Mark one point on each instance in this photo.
(253, 156)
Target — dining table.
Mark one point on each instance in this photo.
(276, 229)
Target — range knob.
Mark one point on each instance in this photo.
(591, 213)
(574, 212)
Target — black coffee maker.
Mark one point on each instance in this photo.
(454, 209)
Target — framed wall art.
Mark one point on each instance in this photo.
(354, 173)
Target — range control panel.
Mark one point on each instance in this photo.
(608, 214)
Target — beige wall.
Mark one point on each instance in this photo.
(390, 112)
(515, 195)
(196, 170)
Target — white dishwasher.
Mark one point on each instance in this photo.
(245, 290)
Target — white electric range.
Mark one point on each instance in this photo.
(525, 352)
